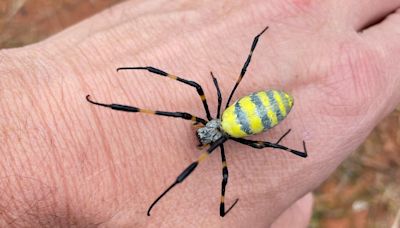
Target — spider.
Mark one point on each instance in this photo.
(249, 115)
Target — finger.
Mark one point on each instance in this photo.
(369, 12)
(386, 34)
(385, 38)
(299, 213)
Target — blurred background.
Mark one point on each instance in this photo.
(363, 192)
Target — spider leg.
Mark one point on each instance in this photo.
(186, 172)
(225, 172)
(127, 108)
(218, 94)
(187, 82)
(225, 175)
(283, 136)
(246, 64)
(261, 145)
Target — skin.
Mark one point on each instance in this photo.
(65, 162)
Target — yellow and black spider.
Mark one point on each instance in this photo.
(249, 115)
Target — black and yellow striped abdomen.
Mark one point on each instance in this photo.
(256, 112)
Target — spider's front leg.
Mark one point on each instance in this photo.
(127, 108)
(191, 83)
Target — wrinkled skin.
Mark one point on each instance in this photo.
(67, 162)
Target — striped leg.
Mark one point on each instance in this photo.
(186, 172)
(261, 145)
(246, 64)
(225, 172)
(225, 175)
(126, 108)
(187, 82)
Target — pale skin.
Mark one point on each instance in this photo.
(67, 162)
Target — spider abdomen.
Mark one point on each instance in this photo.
(256, 112)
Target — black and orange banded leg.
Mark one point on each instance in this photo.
(246, 64)
(186, 172)
(262, 144)
(225, 175)
(174, 77)
(225, 172)
(126, 108)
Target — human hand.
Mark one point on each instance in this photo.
(99, 166)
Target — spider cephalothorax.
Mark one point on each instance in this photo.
(249, 115)
(210, 133)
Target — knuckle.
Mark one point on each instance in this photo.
(353, 80)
